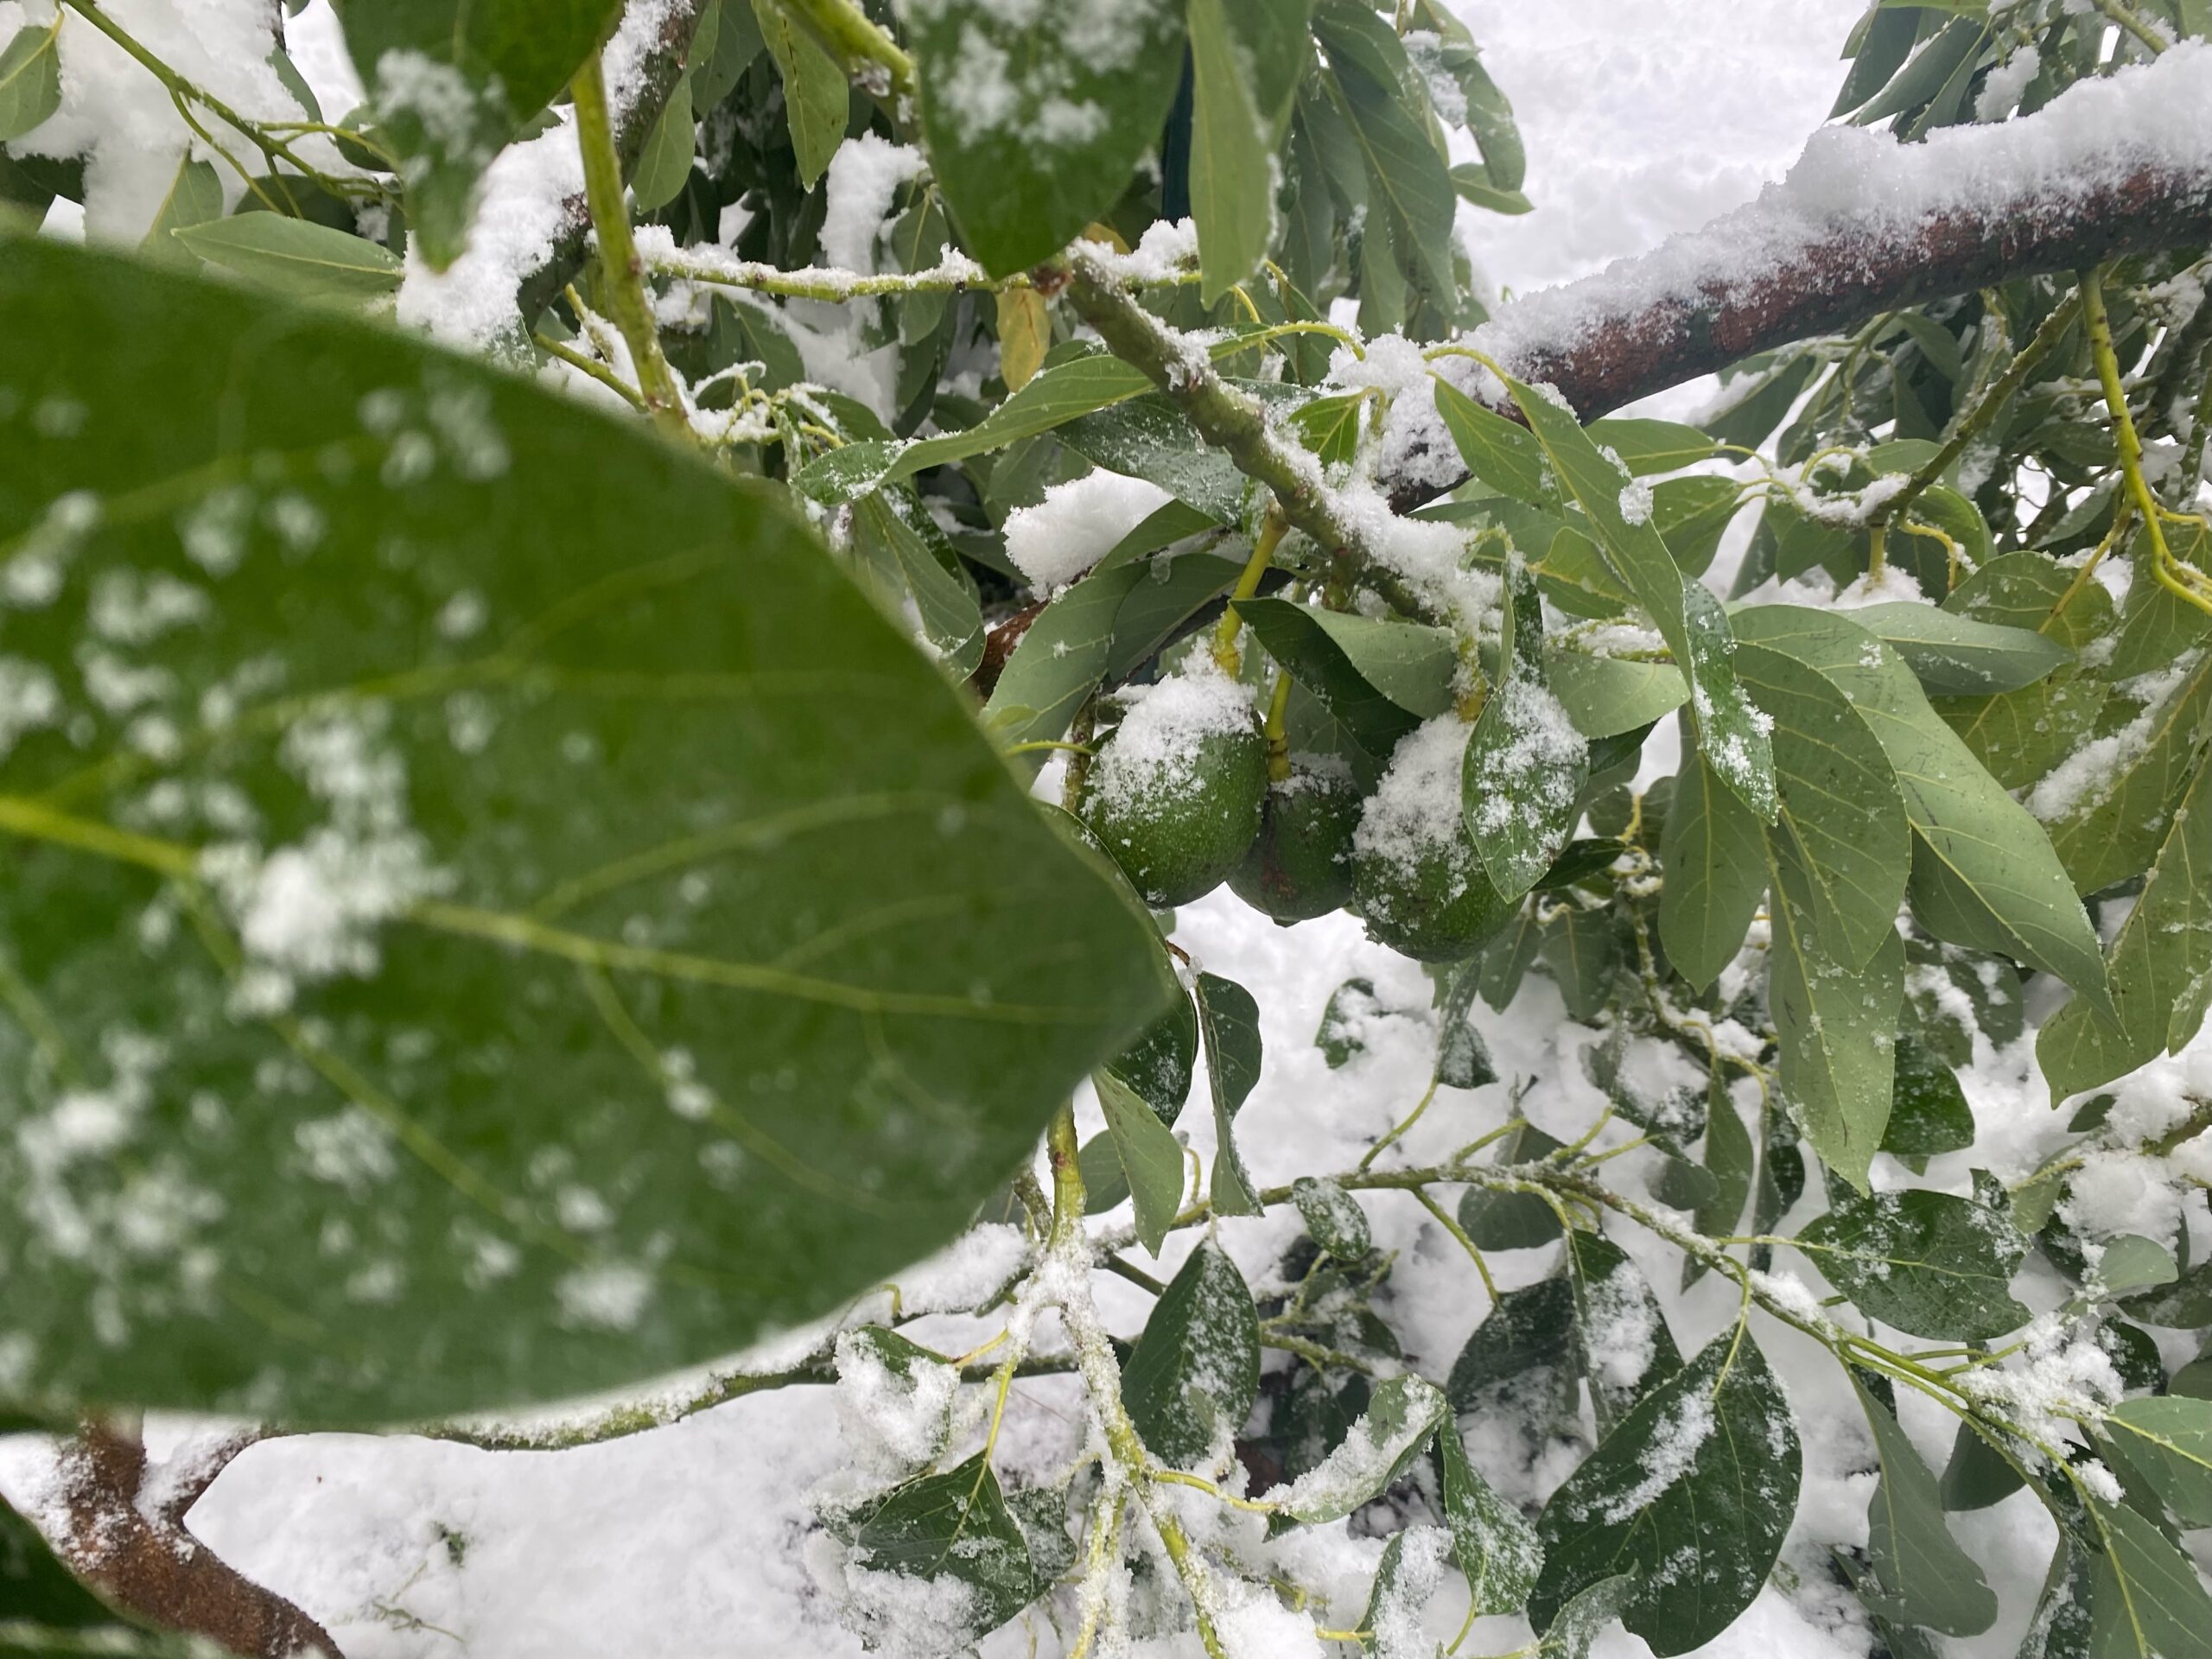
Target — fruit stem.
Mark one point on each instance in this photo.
(1278, 737)
(1248, 583)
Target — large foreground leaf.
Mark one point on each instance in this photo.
(457, 950)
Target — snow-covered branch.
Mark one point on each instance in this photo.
(1863, 225)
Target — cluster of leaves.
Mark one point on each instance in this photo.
(574, 823)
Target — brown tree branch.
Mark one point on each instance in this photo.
(126, 1536)
(1602, 358)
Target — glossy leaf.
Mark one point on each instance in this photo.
(1159, 1065)
(2169, 1439)
(1245, 60)
(1493, 1542)
(1693, 1491)
(1229, 1019)
(1521, 785)
(1929, 1112)
(451, 88)
(1191, 1379)
(1379, 679)
(1731, 736)
(1152, 1158)
(955, 1526)
(30, 78)
(1606, 696)
(295, 256)
(515, 898)
(1932, 1264)
(1401, 1415)
(1924, 1578)
(1716, 870)
(2147, 1600)
(1033, 132)
(1960, 656)
(1333, 1217)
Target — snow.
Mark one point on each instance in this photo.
(1154, 748)
(1415, 809)
(1076, 524)
(864, 177)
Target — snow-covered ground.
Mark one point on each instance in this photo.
(1642, 118)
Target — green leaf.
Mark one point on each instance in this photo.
(955, 1526)
(1627, 1349)
(1649, 446)
(1332, 427)
(1407, 178)
(664, 162)
(1402, 1413)
(1925, 1578)
(194, 197)
(451, 88)
(1929, 1112)
(895, 519)
(1152, 1158)
(1932, 1264)
(1837, 1029)
(1509, 1220)
(2109, 826)
(1693, 514)
(1729, 1159)
(1521, 785)
(1584, 1617)
(1342, 1031)
(1402, 1590)
(1333, 1217)
(297, 257)
(1959, 656)
(1191, 1379)
(2161, 965)
(2130, 1263)
(1984, 874)
(1230, 1021)
(2169, 1439)
(2019, 735)
(1033, 130)
(30, 78)
(2059, 1627)
(1495, 1547)
(1378, 679)
(631, 974)
(1472, 183)
(1105, 1183)
(1607, 695)
(1715, 863)
(1245, 60)
(1160, 1064)
(1066, 651)
(1147, 437)
(1839, 804)
(1730, 734)
(817, 102)
(1693, 1491)
(1497, 451)
(2147, 1600)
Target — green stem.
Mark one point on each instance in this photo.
(592, 367)
(1248, 583)
(2175, 577)
(2124, 15)
(618, 253)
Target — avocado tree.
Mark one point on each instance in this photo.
(612, 663)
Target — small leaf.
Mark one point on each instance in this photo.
(955, 1526)
(1694, 1491)
(1333, 1217)
(1526, 764)
(1929, 1112)
(1229, 1019)
(1497, 451)
(297, 257)
(1925, 1578)
(1932, 1264)
(1495, 1545)
(1025, 330)
(1405, 1582)
(2129, 1264)
(664, 162)
(1191, 1379)
(1729, 1159)
(1584, 1618)
(1343, 1032)
(194, 197)
(1379, 679)
(1401, 1415)
(30, 78)
(1152, 1158)
(1509, 1220)
(816, 103)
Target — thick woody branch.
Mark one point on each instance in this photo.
(126, 1536)
(2115, 167)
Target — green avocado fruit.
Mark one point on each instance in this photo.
(1178, 831)
(1436, 905)
(1301, 866)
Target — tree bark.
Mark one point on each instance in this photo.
(1602, 361)
(132, 1544)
